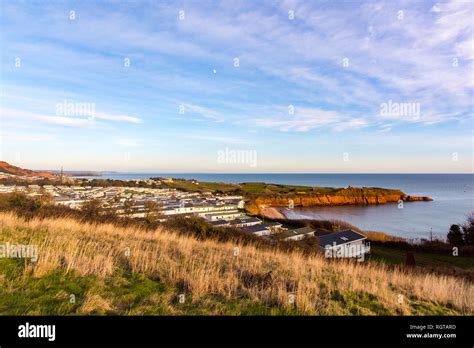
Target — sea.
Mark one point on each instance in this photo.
(453, 197)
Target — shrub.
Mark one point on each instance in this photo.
(468, 230)
(455, 236)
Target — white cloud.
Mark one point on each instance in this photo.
(65, 121)
(465, 48)
(117, 118)
(68, 121)
(409, 58)
(16, 114)
(353, 123)
(203, 112)
(305, 119)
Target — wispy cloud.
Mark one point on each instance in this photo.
(65, 121)
(334, 62)
(201, 112)
(301, 119)
(117, 118)
(25, 138)
(81, 121)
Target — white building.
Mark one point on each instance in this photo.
(343, 244)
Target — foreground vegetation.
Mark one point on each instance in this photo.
(116, 270)
(91, 262)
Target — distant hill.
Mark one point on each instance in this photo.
(75, 172)
(8, 168)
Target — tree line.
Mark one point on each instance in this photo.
(462, 234)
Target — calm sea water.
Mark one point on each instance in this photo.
(452, 199)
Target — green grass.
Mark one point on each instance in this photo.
(137, 294)
(186, 185)
(22, 295)
(260, 188)
(127, 294)
(396, 256)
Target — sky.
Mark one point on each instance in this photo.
(238, 86)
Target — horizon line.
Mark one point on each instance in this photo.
(250, 173)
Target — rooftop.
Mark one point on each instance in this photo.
(339, 238)
(255, 228)
(296, 232)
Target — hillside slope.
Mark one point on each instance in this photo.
(129, 271)
(10, 169)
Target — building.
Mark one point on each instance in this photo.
(245, 221)
(222, 215)
(72, 203)
(220, 223)
(347, 243)
(257, 230)
(296, 234)
(275, 227)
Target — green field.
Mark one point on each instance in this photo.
(431, 261)
(261, 189)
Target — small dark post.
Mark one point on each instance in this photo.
(410, 259)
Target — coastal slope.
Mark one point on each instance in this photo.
(11, 169)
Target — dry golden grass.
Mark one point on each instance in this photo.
(382, 237)
(95, 304)
(208, 267)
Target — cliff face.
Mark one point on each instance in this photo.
(254, 205)
(8, 168)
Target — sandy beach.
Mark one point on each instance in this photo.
(273, 213)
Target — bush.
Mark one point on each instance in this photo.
(92, 209)
(468, 230)
(462, 234)
(455, 236)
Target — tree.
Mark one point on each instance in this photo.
(109, 207)
(152, 211)
(45, 199)
(128, 206)
(468, 230)
(17, 200)
(92, 208)
(455, 236)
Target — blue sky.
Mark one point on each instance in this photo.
(306, 96)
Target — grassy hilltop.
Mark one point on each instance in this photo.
(252, 189)
(134, 271)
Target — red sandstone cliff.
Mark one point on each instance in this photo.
(352, 196)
